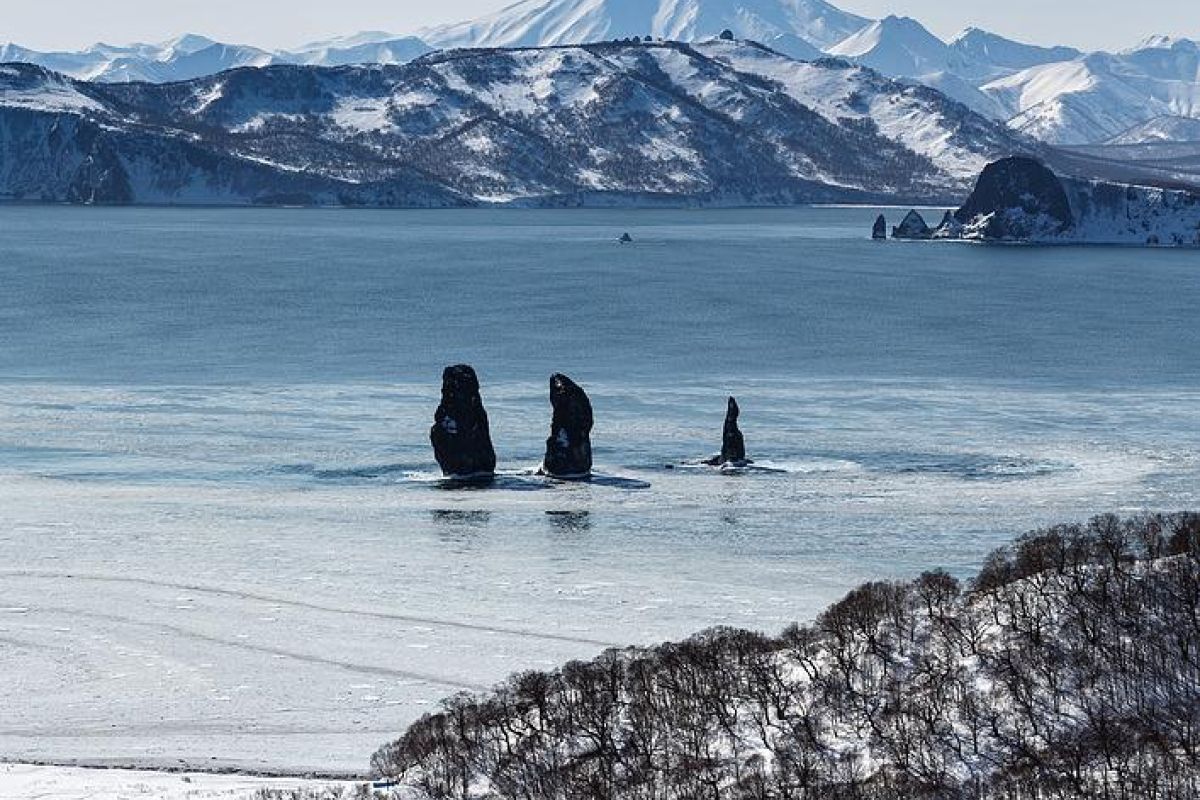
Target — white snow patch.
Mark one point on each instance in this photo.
(73, 783)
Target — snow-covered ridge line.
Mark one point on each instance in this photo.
(1058, 94)
(191, 56)
(721, 122)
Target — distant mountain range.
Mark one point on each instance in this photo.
(1057, 94)
(193, 56)
(719, 122)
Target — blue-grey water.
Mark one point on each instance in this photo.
(222, 535)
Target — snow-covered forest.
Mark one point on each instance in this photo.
(1068, 667)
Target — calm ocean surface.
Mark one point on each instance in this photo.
(223, 540)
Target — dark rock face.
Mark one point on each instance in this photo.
(880, 229)
(913, 226)
(101, 178)
(1020, 197)
(462, 441)
(569, 448)
(733, 444)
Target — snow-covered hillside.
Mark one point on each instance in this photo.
(1097, 97)
(896, 46)
(550, 22)
(719, 122)
(1064, 669)
(977, 53)
(1057, 94)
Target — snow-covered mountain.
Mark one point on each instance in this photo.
(1096, 97)
(1056, 94)
(364, 48)
(898, 46)
(716, 122)
(179, 59)
(978, 54)
(191, 56)
(552, 22)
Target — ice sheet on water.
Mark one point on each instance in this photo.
(340, 556)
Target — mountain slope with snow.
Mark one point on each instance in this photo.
(1096, 97)
(1160, 129)
(976, 54)
(552, 22)
(903, 48)
(898, 46)
(719, 122)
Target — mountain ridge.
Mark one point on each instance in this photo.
(721, 122)
(1057, 94)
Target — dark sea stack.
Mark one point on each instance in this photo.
(462, 441)
(733, 444)
(1017, 198)
(569, 448)
(913, 226)
(880, 229)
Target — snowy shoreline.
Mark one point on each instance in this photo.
(180, 766)
(50, 782)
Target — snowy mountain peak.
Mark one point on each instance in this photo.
(898, 46)
(982, 52)
(557, 22)
(188, 43)
(1162, 41)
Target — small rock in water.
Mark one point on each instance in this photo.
(880, 229)
(733, 444)
(913, 226)
(462, 440)
(569, 448)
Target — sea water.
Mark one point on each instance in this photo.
(224, 541)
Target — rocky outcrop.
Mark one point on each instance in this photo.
(880, 229)
(461, 438)
(1015, 199)
(913, 226)
(1019, 199)
(950, 228)
(733, 444)
(569, 448)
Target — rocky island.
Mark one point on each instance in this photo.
(1020, 199)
